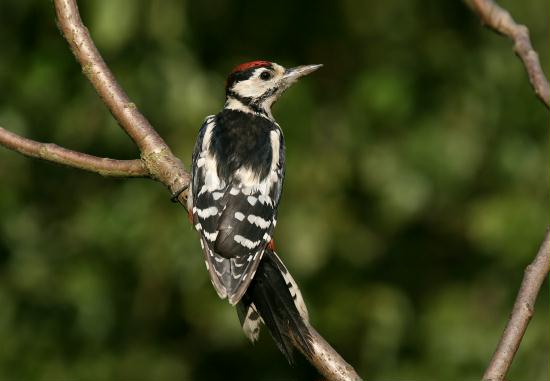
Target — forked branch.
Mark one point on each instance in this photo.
(157, 160)
(155, 153)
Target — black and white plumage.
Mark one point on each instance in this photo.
(237, 182)
(273, 298)
(237, 178)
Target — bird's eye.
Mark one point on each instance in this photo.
(266, 75)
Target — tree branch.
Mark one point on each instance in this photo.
(327, 361)
(60, 155)
(160, 161)
(157, 160)
(500, 20)
(522, 312)
(155, 153)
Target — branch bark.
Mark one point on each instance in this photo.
(157, 160)
(500, 20)
(522, 312)
(327, 361)
(60, 155)
(155, 153)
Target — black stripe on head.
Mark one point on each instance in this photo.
(255, 106)
(270, 92)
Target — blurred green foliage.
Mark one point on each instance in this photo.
(416, 190)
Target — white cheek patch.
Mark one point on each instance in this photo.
(253, 87)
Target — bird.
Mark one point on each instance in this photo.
(237, 173)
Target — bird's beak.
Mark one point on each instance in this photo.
(292, 74)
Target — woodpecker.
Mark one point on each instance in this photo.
(238, 167)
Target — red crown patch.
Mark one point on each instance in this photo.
(249, 65)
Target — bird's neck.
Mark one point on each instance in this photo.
(261, 107)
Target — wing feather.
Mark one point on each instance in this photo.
(234, 217)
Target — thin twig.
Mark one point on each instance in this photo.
(60, 155)
(157, 156)
(500, 20)
(509, 343)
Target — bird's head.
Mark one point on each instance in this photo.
(255, 86)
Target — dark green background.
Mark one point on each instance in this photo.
(416, 190)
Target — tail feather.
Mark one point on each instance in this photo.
(250, 320)
(269, 299)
